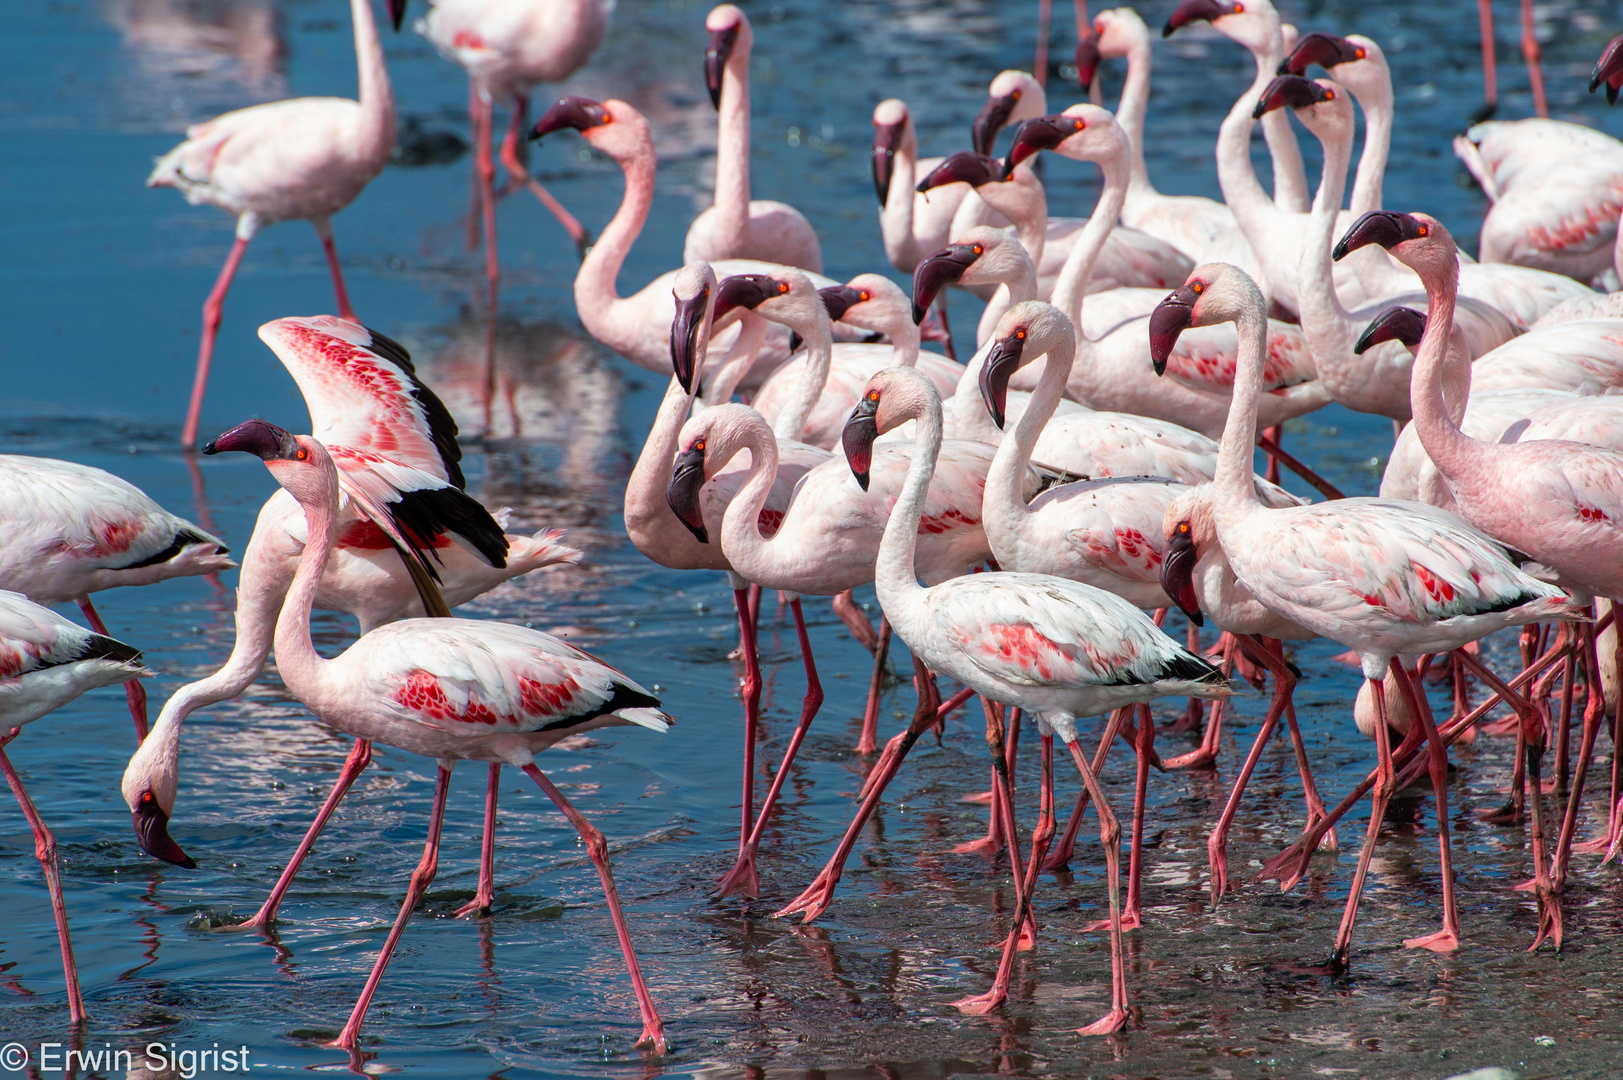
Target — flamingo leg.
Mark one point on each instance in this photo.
(1490, 65)
(324, 231)
(1039, 65)
(360, 756)
(1217, 843)
(45, 851)
(1205, 755)
(475, 194)
(752, 712)
(816, 897)
(1067, 845)
(868, 741)
(1274, 434)
(486, 169)
(205, 347)
(1614, 823)
(485, 895)
(845, 606)
(520, 172)
(427, 866)
(1001, 742)
(1310, 791)
(653, 1032)
(1385, 784)
(1594, 713)
(1448, 938)
(1110, 838)
(742, 879)
(981, 1004)
(1132, 916)
(134, 692)
(1530, 53)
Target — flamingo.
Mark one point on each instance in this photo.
(45, 662)
(1055, 648)
(671, 541)
(736, 226)
(1190, 223)
(409, 542)
(69, 530)
(1556, 500)
(301, 158)
(448, 689)
(637, 326)
(1383, 578)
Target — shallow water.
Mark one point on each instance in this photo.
(102, 282)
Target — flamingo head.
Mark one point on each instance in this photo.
(966, 167)
(694, 291)
(1026, 331)
(1189, 529)
(612, 126)
(787, 297)
(1418, 241)
(687, 478)
(1013, 95)
(891, 130)
(891, 398)
(1326, 50)
(1396, 323)
(705, 445)
(940, 269)
(1088, 56)
(726, 26)
(1082, 132)
(1041, 133)
(1293, 91)
(1252, 23)
(149, 785)
(1192, 11)
(1116, 32)
(298, 462)
(1609, 70)
(869, 301)
(1213, 293)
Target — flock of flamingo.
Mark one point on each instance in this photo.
(1090, 468)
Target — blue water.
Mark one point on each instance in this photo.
(102, 280)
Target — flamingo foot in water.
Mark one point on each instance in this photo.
(741, 878)
(1203, 757)
(978, 798)
(1600, 845)
(1217, 860)
(1113, 1021)
(980, 1004)
(814, 900)
(1130, 920)
(1441, 941)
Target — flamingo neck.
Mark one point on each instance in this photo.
(904, 344)
(1329, 328)
(790, 425)
(1130, 110)
(1073, 276)
(1450, 449)
(1253, 210)
(970, 420)
(741, 538)
(896, 216)
(597, 298)
(1003, 481)
(1022, 201)
(376, 94)
(296, 658)
(740, 357)
(646, 508)
(1234, 493)
(895, 580)
(733, 153)
(1290, 178)
(1377, 106)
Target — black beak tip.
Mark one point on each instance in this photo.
(1160, 365)
(1196, 616)
(1167, 30)
(210, 447)
(862, 479)
(998, 418)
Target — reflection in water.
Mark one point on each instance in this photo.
(200, 53)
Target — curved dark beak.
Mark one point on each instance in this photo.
(1040, 133)
(571, 111)
(838, 299)
(152, 833)
(1178, 574)
(264, 440)
(991, 120)
(682, 494)
(1087, 59)
(1002, 361)
(1325, 50)
(886, 139)
(1609, 70)
(1384, 227)
(1195, 11)
(716, 52)
(685, 337)
(745, 291)
(397, 13)
(936, 273)
(857, 440)
(966, 166)
(1170, 318)
(1396, 323)
(1292, 90)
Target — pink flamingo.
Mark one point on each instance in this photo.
(672, 541)
(736, 226)
(447, 689)
(1055, 648)
(69, 530)
(1556, 500)
(301, 158)
(45, 662)
(1383, 578)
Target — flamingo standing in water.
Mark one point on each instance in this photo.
(69, 530)
(301, 158)
(448, 689)
(410, 542)
(1383, 578)
(45, 662)
(1055, 648)
(736, 226)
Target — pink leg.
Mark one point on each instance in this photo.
(134, 692)
(486, 893)
(868, 741)
(1490, 65)
(1205, 756)
(475, 195)
(360, 756)
(487, 186)
(1385, 783)
(653, 1032)
(345, 311)
(845, 606)
(1448, 938)
(1001, 746)
(752, 713)
(1217, 843)
(1061, 857)
(1594, 714)
(1530, 53)
(741, 879)
(350, 1037)
(1132, 916)
(205, 346)
(577, 232)
(1110, 837)
(817, 896)
(45, 851)
(990, 844)
(981, 1004)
